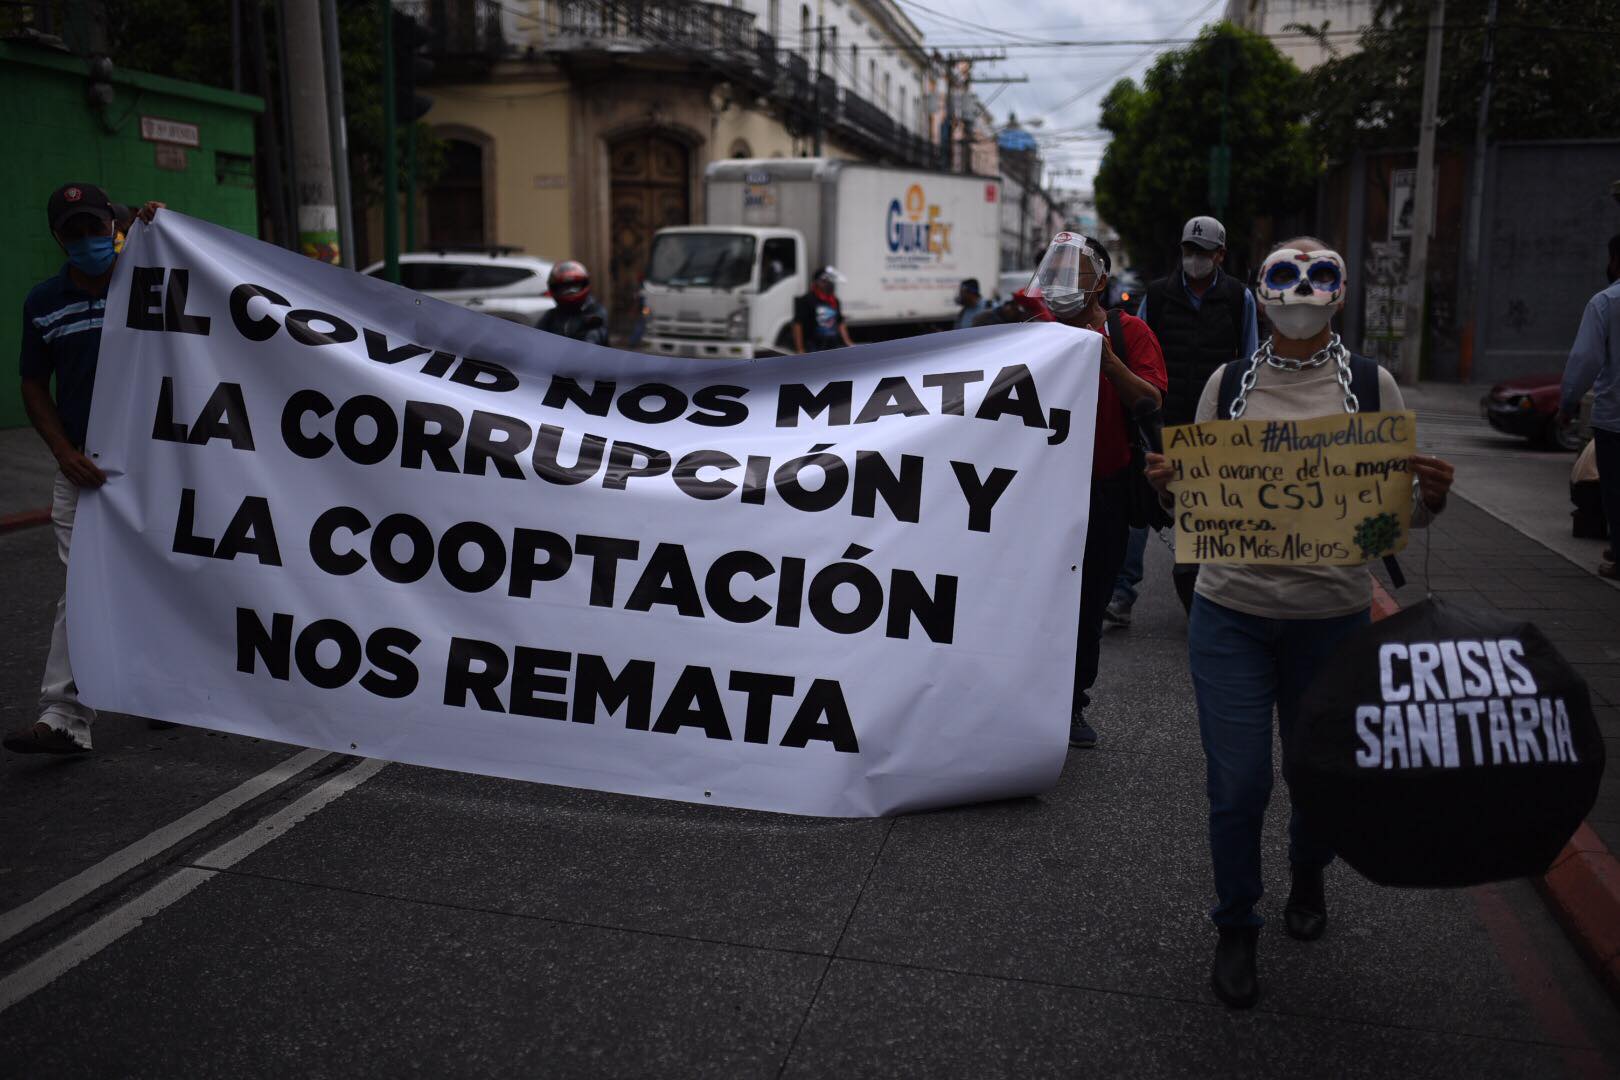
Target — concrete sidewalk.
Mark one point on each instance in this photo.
(430, 923)
(27, 471)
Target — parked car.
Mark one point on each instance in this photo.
(495, 281)
(1527, 405)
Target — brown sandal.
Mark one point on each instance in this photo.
(41, 738)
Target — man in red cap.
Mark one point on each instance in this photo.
(61, 338)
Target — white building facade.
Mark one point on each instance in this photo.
(1279, 19)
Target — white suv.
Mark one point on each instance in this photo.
(494, 282)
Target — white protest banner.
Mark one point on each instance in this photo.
(344, 515)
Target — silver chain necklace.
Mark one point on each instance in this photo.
(1334, 350)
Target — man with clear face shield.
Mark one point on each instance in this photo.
(1069, 286)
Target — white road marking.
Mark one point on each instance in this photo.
(234, 851)
(44, 970)
(150, 846)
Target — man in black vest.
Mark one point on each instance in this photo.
(1202, 318)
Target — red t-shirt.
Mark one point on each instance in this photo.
(1112, 452)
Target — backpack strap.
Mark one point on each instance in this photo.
(1231, 381)
(1364, 382)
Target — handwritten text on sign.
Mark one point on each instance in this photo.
(1333, 490)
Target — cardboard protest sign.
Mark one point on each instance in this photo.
(1333, 490)
(348, 516)
(1446, 745)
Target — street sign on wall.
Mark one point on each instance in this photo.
(158, 130)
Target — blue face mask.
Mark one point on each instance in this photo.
(91, 255)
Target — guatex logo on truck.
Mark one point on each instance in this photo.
(914, 227)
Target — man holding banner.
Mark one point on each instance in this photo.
(1072, 281)
(1282, 511)
(61, 340)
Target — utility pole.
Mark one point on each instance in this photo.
(815, 93)
(1220, 159)
(1423, 204)
(390, 199)
(312, 140)
(338, 129)
(236, 45)
(964, 62)
(1476, 206)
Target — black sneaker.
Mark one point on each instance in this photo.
(1232, 976)
(1117, 615)
(1305, 914)
(1081, 734)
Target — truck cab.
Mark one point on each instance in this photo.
(722, 291)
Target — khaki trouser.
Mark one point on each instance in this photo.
(59, 704)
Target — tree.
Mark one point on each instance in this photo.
(191, 40)
(1553, 75)
(1155, 172)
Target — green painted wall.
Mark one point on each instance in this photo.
(50, 134)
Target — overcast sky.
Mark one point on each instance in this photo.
(1066, 83)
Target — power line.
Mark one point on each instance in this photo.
(1058, 45)
(965, 24)
(1088, 91)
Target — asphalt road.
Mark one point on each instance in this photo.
(353, 918)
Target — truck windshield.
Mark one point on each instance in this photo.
(710, 260)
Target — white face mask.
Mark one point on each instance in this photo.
(1300, 322)
(1065, 303)
(1198, 267)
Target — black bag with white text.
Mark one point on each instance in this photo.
(1446, 746)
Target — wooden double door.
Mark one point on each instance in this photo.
(651, 189)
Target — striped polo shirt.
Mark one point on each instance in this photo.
(61, 337)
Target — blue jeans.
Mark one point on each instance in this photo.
(1243, 666)
(1130, 574)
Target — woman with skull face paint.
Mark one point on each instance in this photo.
(1257, 633)
(1069, 286)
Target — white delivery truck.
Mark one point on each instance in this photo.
(903, 238)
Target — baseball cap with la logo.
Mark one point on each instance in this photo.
(70, 200)
(1204, 231)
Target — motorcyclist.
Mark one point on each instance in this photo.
(577, 315)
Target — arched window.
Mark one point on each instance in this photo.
(871, 77)
(901, 112)
(455, 203)
(741, 149)
(804, 29)
(886, 93)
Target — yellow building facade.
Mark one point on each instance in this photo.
(580, 131)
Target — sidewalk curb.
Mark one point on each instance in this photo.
(1582, 889)
(25, 519)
